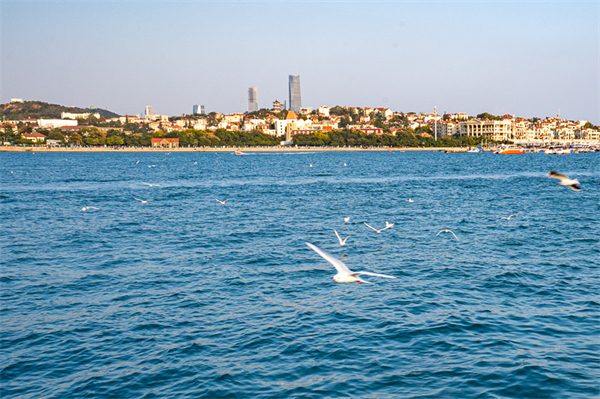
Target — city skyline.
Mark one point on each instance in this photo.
(529, 58)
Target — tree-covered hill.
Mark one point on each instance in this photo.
(39, 109)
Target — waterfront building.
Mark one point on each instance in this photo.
(493, 130)
(295, 96)
(165, 142)
(252, 99)
(35, 137)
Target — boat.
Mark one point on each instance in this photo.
(510, 150)
(475, 150)
(238, 152)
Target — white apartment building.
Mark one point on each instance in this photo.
(494, 130)
(323, 110)
(52, 123)
(84, 115)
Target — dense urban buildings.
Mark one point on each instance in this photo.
(295, 97)
(252, 99)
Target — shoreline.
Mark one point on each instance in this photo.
(228, 149)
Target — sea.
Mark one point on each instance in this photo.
(183, 297)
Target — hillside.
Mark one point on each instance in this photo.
(39, 109)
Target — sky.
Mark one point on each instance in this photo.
(524, 58)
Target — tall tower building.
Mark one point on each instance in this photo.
(149, 111)
(252, 99)
(295, 97)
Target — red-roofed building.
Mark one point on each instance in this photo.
(164, 142)
(35, 137)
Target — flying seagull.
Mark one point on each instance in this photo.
(347, 220)
(137, 162)
(342, 242)
(565, 181)
(151, 185)
(143, 201)
(152, 166)
(87, 208)
(508, 218)
(344, 275)
(448, 231)
(387, 226)
(411, 200)
(222, 202)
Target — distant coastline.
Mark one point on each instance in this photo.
(227, 149)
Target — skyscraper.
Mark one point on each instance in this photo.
(295, 97)
(252, 99)
(198, 109)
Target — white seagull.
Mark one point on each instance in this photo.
(448, 231)
(387, 226)
(347, 220)
(345, 164)
(137, 162)
(342, 242)
(87, 208)
(143, 201)
(152, 166)
(222, 202)
(344, 275)
(508, 218)
(411, 200)
(151, 185)
(311, 165)
(573, 184)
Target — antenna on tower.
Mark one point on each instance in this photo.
(558, 113)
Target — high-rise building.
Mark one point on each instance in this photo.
(295, 97)
(198, 109)
(150, 111)
(252, 99)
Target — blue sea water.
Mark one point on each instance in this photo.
(182, 297)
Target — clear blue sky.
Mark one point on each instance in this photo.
(523, 58)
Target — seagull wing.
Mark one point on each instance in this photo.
(338, 236)
(346, 239)
(93, 207)
(355, 274)
(575, 187)
(556, 175)
(371, 227)
(454, 236)
(338, 264)
(137, 199)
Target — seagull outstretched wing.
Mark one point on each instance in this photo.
(338, 264)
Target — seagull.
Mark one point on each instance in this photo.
(389, 225)
(344, 275)
(151, 185)
(347, 220)
(411, 200)
(378, 231)
(345, 164)
(87, 208)
(342, 242)
(195, 163)
(508, 218)
(137, 162)
(152, 166)
(311, 165)
(565, 181)
(143, 201)
(448, 231)
(222, 202)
